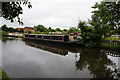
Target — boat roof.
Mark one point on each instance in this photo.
(44, 34)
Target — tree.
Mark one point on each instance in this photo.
(72, 29)
(12, 10)
(29, 32)
(16, 30)
(21, 30)
(89, 37)
(11, 29)
(106, 17)
(4, 28)
(50, 30)
(58, 29)
(40, 28)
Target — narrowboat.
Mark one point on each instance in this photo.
(62, 39)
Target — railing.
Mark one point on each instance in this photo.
(111, 44)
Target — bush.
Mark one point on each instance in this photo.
(20, 36)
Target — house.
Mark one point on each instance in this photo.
(26, 29)
(19, 29)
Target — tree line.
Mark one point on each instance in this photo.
(39, 29)
(104, 22)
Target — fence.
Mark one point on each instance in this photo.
(111, 44)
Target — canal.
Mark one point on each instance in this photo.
(25, 59)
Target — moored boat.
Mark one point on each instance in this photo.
(62, 39)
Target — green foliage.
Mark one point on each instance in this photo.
(105, 21)
(11, 29)
(83, 26)
(20, 36)
(3, 74)
(3, 32)
(105, 17)
(29, 32)
(89, 38)
(112, 38)
(37, 32)
(58, 29)
(73, 29)
(12, 10)
(16, 30)
(50, 30)
(21, 30)
(40, 28)
(4, 28)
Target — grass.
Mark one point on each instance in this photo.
(3, 75)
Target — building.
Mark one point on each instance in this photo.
(19, 29)
(26, 29)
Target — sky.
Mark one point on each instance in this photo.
(55, 13)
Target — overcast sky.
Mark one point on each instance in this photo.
(55, 13)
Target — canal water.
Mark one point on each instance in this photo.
(26, 59)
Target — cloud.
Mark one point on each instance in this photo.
(55, 13)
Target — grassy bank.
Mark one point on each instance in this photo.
(3, 75)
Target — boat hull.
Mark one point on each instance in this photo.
(62, 43)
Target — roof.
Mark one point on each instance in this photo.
(30, 28)
(44, 34)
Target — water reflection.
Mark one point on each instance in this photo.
(47, 48)
(95, 60)
(28, 60)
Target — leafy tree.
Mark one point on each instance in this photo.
(11, 29)
(58, 29)
(4, 28)
(21, 30)
(50, 30)
(12, 10)
(4, 32)
(72, 29)
(29, 32)
(16, 30)
(40, 28)
(106, 17)
(89, 38)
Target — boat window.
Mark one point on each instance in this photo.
(32, 36)
(26, 35)
(53, 37)
(39, 36)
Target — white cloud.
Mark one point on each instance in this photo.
(56, 13)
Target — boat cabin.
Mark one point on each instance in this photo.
(75, 35)
(47, 37)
